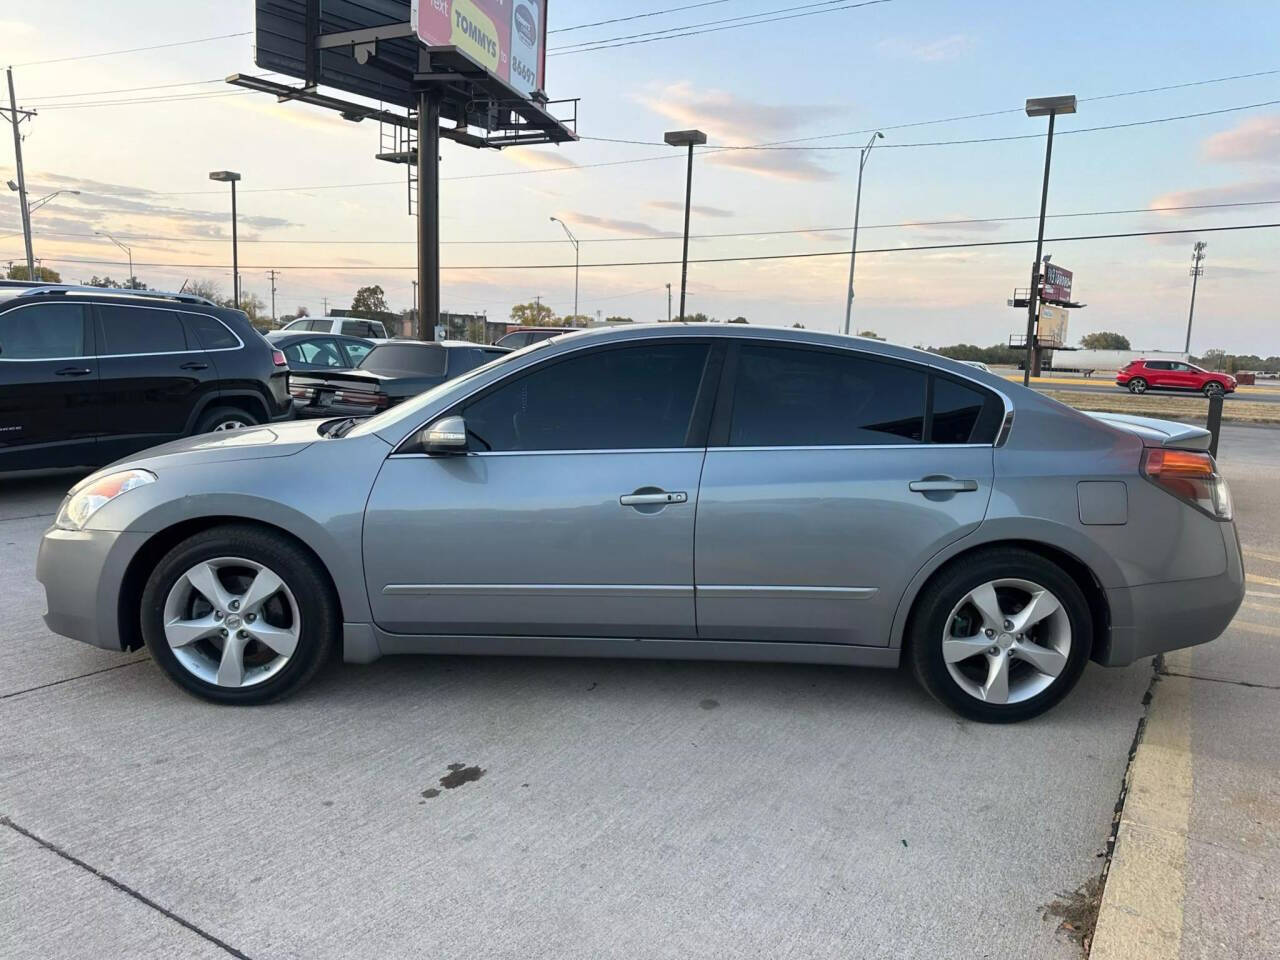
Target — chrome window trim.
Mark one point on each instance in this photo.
(638, 450)
(1002, 435)
(112, 356)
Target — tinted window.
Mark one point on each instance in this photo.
(516, 340)
(787, 397)
(1159, 365)
(209, 333)
(362, 328)
(625, 399)
(318, 353)
(43, 331)
(139, 330)
(956, 412)
(405, 360)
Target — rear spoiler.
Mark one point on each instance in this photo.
(1158, 433)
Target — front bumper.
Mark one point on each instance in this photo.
(1159, 617)
(82, 572)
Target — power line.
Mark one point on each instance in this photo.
(141, 238)
(605, 45)
(638, 16)
(666, 263)
(124, 102)
(154, 46)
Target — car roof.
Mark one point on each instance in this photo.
(289, 336)
(438, 343)
(25, 289)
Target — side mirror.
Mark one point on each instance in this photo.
(446, 435)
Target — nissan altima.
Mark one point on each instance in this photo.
(704, 492)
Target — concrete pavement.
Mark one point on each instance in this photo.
(625, 809)
(1196, 869)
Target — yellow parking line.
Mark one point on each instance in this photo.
(1265, 581)
(1261, 628)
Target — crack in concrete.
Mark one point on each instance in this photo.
(123, 888)
(55, 683)
(1238, 683)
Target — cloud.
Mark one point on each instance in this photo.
(1256, 140)
(539, 159)
(699, 209)
(730, 119)
(946, 48)
(973, 226)
(1245, 191)
(633, 228)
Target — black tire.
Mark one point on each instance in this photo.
(949, 587)
(1137, 385)
(300, 571)
(211, 419)
(1214, 389)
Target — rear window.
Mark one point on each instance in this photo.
(363, 328)
(405, 360)
(209, 333)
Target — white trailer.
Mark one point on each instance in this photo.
(1083, 361)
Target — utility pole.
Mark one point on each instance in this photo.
(15, 117)
(863, 155)
(668, 303)
(1197, 258)
(324, 304)
(273, 275)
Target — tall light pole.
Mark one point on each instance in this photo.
(1197, 258)
(863, 154)
(230, 176)
(28, 209)
(1041, 107)
(123, 246)
(690, 139)
(37, 204)
(574, 241)
(668, 303)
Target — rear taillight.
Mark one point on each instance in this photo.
(1189, 476)
(362, 397)
(277, 357)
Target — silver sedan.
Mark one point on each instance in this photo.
(682, 491)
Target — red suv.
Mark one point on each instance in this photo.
(1143, 375)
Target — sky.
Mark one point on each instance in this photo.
(317, 206)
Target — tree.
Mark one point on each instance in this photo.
(533, 314)
(797, 325)
(302, 312)
(576, 320)
(369, 301)
(1105, 340)
(617, 319)
(870, 335)
(133, 283)
(203, 288)
(738, 320)
(18, 271)
(695, 318)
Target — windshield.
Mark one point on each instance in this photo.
(411, 407)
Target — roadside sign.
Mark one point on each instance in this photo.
(505, 37)
(1057, 284)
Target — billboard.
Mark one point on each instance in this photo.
(508, 38)
(1056, 284)
(1052, 331)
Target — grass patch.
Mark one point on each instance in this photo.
(1185, 409)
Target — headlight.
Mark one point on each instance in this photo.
(84, 503)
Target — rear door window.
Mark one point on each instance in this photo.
(963, 414)
(126, 330)
(209, 333)
(43, 331)
(796, 397)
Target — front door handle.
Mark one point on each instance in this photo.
(661, 497)
(194, 365)
(943, 485)
(73, 372)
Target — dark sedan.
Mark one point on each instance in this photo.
(389, 374)
(307, 350)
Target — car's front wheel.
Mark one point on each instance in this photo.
(237, 614)
(1001, 637)
(1137, 385)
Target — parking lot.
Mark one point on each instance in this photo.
(559, 808)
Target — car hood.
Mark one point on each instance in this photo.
(252, 443)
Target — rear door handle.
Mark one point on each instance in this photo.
(194, 365)
(943, 486)
(641, 499)
(73, 372)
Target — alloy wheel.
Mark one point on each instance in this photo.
(1138, 386)
(228, 425)
(231, 622)
(1006, 641)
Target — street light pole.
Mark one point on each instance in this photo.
(863, 154)
(125, 247)
(1050, 107)
(668, 303)
(1197, 258)
(690, 139)
(574, 241)
(230, 176)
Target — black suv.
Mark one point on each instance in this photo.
(90, 375)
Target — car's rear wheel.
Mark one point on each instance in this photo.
(1213, 389)
(1001, 637)
(225, 418)
(238, 614)
(1137, 385)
